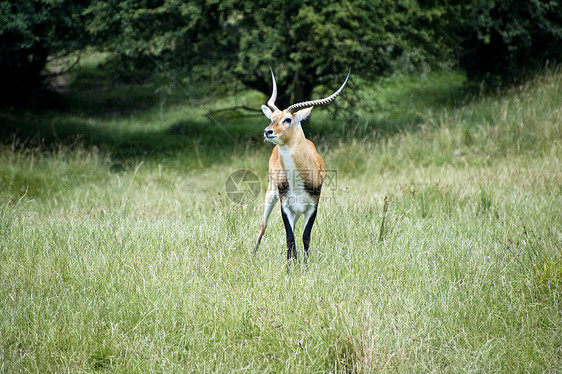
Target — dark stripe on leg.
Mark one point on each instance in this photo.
(307, 231)
(262, 231)
(291, 250)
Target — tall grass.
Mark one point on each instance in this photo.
(121, 252)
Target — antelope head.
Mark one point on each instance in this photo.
(286, 124)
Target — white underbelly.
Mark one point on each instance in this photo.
(298, 202)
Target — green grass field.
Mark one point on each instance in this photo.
(120, 250)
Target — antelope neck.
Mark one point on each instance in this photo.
(295, 157)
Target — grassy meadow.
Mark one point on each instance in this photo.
(120, 250)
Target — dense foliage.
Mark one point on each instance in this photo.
(309, 44)
(507, 40)
(31, 32)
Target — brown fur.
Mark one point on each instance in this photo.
(308, 163)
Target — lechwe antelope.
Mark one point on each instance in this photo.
(296, 170)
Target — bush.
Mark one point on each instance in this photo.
(506, 41)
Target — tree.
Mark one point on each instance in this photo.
(506, 41)
(309, 44)
(30, 33)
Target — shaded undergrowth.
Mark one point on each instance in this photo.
(162, 118)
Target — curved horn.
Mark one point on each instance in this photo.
(307, 104)
(271, 101)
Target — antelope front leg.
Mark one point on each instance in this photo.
(288, 222)
(308, 223)
(271, 199)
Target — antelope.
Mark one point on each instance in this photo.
(296, 170)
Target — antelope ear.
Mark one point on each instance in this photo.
(266, 111)
(302, 114)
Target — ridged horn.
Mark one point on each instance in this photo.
(271, 101)
(308, 104)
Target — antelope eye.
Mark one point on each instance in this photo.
(287, 121)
